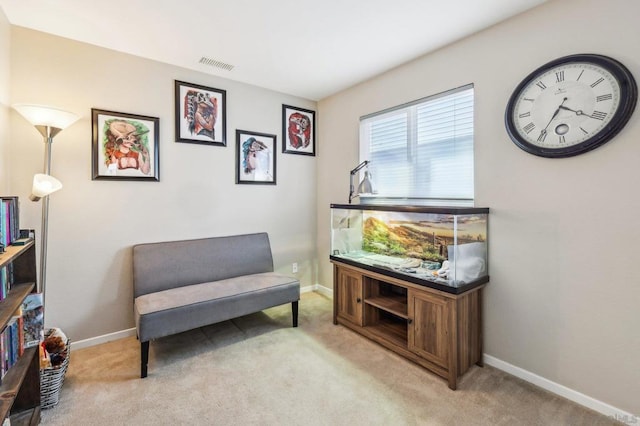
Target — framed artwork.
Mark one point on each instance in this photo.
(255, 158)
(125, 146)
(201, 114)
(298, 130)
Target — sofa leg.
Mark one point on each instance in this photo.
(144, 358)
(294, 313)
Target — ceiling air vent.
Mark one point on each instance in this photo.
(214, 63)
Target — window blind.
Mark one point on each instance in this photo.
(422, 150)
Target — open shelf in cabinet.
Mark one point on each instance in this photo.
(386, 310)
(396, 305)
(389, 327)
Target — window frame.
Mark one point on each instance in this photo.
(410, 109)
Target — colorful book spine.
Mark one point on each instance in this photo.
(4, 282)
(9, 220)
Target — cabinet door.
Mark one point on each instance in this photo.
(430, 327)
(349, 289)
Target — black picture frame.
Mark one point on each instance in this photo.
(255, 158)
(125, 146)
(200, 114)
(298, 130)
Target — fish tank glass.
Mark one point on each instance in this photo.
(439, 247)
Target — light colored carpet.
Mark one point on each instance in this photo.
(258, 370)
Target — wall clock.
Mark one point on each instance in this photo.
(571, 105)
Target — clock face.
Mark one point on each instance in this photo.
(571, 105)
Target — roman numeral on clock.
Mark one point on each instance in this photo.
(561, 139)
(529, 127)
(604, 97)
(525, 114)
(559, 76)
(598, 115)
(541, 85)
(598, 81)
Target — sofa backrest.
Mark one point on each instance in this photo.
(171, 264)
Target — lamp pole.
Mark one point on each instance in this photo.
(353, 172)
(48, 132)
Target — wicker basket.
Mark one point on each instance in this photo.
(51, 380)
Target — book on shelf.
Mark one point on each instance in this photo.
(10, 345)
(6, 280)
(9, 220)
(33, 319)
(22, 241)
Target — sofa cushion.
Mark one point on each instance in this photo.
(197, 293)
(184, 308)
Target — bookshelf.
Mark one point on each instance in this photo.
(20, 386)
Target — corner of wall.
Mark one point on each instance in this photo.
(5, 42)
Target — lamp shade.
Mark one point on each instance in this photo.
(40, 115)
(366, 186)
(44, 185)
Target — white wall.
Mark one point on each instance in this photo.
(93, 224)
(564, 297)
(5, 40)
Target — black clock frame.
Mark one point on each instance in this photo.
(628, 99)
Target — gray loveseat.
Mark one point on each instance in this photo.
(182, 285)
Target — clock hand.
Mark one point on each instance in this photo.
(578, 112)
(555, 114)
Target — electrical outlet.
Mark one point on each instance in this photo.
(294, 267)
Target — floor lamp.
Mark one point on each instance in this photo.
(49, 122)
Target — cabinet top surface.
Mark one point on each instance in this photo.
(407, 280)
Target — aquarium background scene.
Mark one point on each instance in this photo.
(423, 236)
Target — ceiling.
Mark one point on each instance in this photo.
(306, 48)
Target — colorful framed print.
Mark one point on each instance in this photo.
(255, 158)
(201, 114)
(298, 130)
(125, 146)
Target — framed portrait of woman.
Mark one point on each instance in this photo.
(255, 158)
(201, 114)
(125, 146)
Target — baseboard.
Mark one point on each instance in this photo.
(323, 291)
(563, 391)
(307, 289)
(103, 339)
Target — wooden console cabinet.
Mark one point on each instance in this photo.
(435, 329)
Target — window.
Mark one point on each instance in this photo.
(422, 152)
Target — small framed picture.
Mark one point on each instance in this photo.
(298, 130)
(201, 114)
(255, 157)
(125, 146)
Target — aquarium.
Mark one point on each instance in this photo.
(440, 247)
